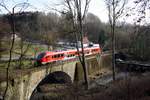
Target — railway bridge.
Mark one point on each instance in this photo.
(23, 83)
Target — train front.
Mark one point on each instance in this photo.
(40, 58)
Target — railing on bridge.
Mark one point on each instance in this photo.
(133, 65)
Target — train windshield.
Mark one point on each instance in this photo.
(41, 55)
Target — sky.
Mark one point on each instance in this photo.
(97, 7)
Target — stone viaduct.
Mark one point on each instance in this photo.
(22, 85)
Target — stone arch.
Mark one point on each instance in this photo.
(54, 77)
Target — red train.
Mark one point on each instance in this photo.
(47, 57)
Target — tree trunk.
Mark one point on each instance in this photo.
(10, 53)
(113, 41)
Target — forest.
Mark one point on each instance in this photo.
(50, 28)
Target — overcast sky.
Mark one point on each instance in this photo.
(96, 7)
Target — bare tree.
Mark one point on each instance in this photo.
(139, 46)
(24, 46)
(11, 12)
(141, 6)
(47, 28)
(115, 10)
(77, 10)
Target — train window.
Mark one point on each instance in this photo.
(41, 55)
(55, 56)
(58, 55)
(62, 55)
(48, 57)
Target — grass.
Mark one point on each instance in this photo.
(30, 52)
(15, 64)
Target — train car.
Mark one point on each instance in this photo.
(95, 50)
(70, 54)
(48, 57)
